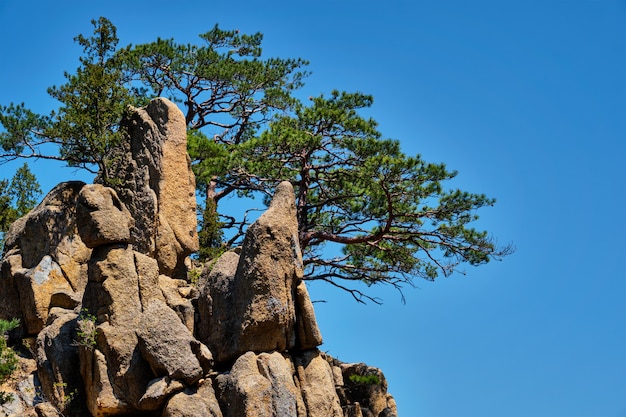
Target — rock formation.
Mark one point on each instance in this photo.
(97, 275)
(152, 176)
(44, 263)
(257, 301)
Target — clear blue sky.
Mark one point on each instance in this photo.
(526, 99)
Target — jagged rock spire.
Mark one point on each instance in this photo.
(97, 274)
(151, 173)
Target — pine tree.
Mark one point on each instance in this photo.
(390, 214)
(17, 197)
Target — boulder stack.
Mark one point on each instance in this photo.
(97, 275)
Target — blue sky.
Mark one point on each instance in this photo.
(526, 99)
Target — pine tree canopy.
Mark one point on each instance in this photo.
(366, 211)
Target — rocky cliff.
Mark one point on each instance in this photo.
(97, 276)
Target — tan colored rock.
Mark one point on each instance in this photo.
(148, 275)
(112, 292)
(122, 375)
(337, 375)
(204, 355)
(200, 402)
(317, 384)
(218, 273)
(36, 288)
(48, 226)
(353, 410)
(309, 335)
(46, 409)
(158, 391)
(20, 391)
(153, 178)
(177, 186)
(279, 370)
(10, 270)
(258, 307)
(260, 385)
(244, 389)
(216, 320)
(117, 373)
(270, 261)
(44, 257)
(57, 356)
(367, 386)
(179, 296)
(100, 395)
(165, 343)
(391, 407)
(101, 217)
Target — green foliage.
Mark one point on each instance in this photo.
(8, 325)
(66, 398)
(5, 397)
(92, 101)
(211, 159)
(365, 379)
(86, 125)
(224, 84)
(22, 128)
(8, 213)
(210, 234)
(25, 190)
(17, 197)
(392, 215)
(8, 358)
(86, 329)
(388, 211)
(194, 275)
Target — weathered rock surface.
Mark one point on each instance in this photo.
(179, 296)
(23, 391)
(309, 335)
(109, 357)
(44, 262)
(200, 401)
(158, 391)
(216, 321)
(97, 274)
(37, 287)
(101, 217)
(366, 388)
(318, 385)
(262, 305)
(165, 343)
(153, 178)
(57, 356)
(269, 264)
(260, 385)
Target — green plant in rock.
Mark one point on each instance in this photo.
(365, 379)
(65, 397)
(194, 275)
(86, 331)
(210, 234)
(5, 397)
(8, 358)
